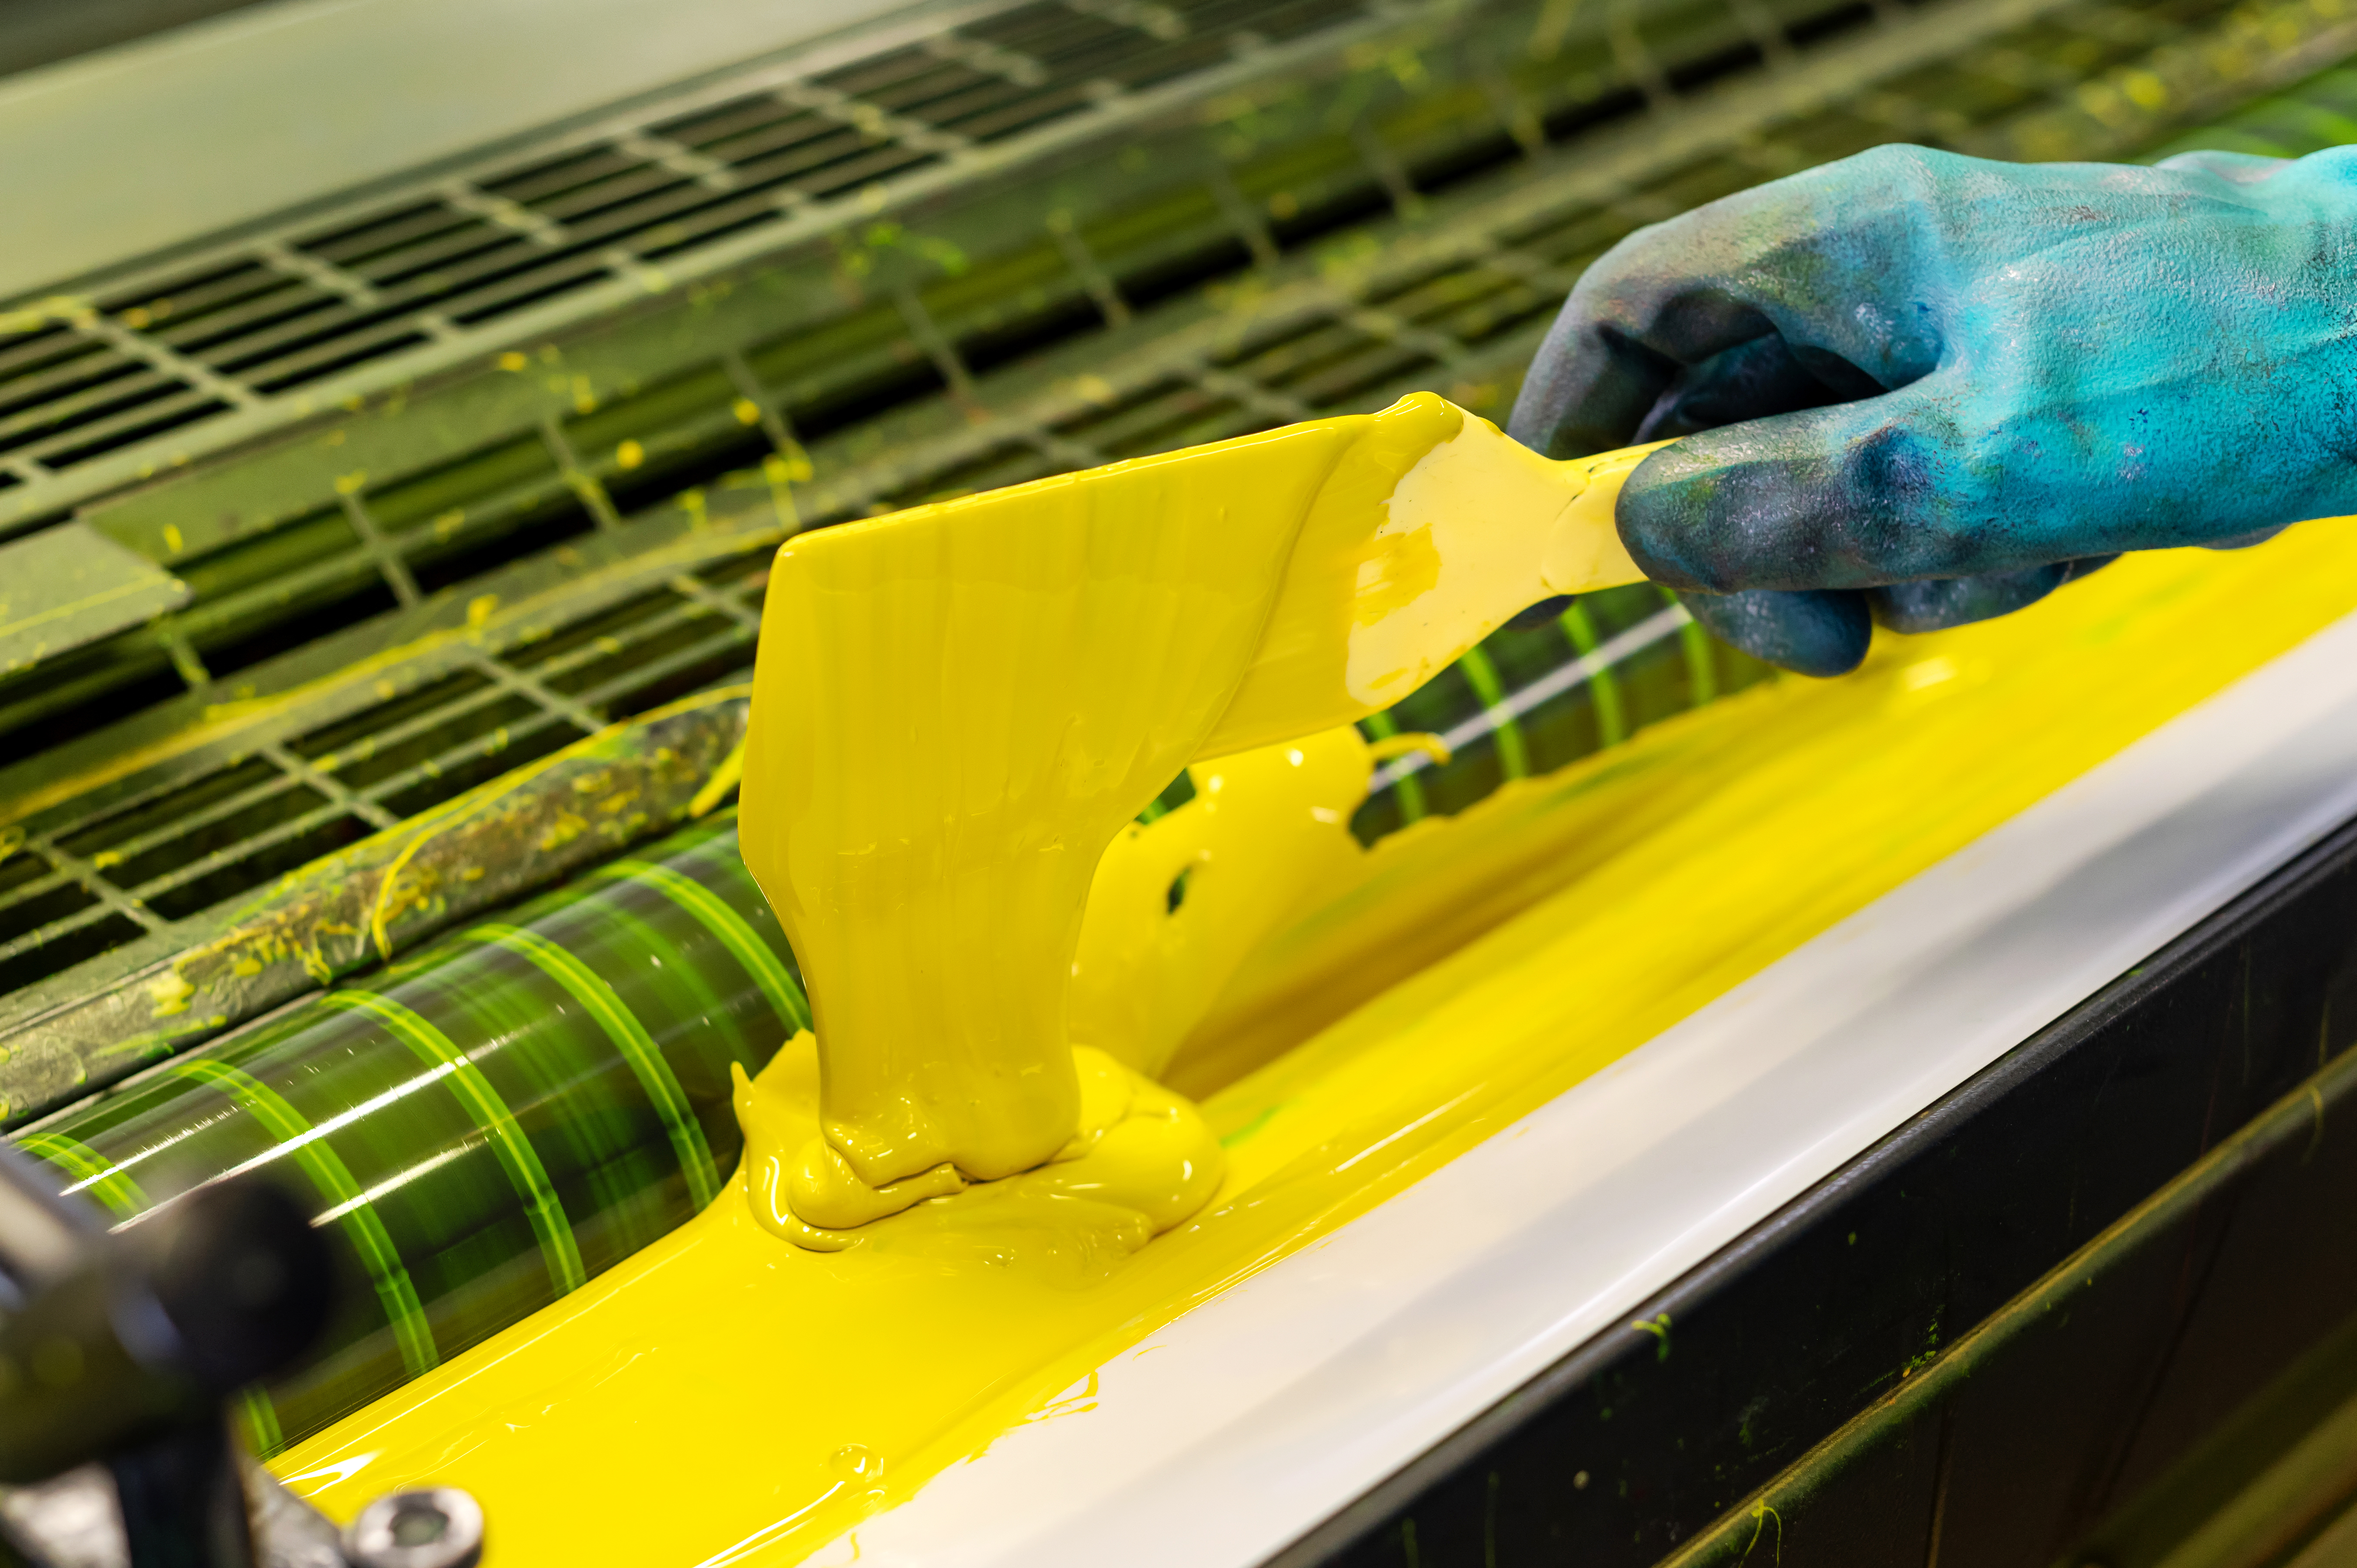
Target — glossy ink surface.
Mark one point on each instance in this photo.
(958, 707)
(1178, 903)
(1141, 1162)
(717, 1379)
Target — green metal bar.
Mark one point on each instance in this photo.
(696, 998)
(1410, 790)
(260, 1417)
(92, 1172)
(1604, 687)
(1701, 675)
(1513, 757)
(784, 992)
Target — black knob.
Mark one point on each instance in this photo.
(243, 1277)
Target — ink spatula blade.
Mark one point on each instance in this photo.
(1433, 529)
(1370, 551)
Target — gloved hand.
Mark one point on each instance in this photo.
(1930, 389)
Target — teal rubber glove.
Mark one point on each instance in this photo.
(1925, 388)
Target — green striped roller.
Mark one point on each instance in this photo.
(1644, 665)
(486, 1125)
(479, 1128)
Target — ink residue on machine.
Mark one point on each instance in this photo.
(1524, 944)
(959, 706)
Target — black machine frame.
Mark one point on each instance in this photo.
(2069, 1313)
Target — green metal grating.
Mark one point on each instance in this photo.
(337, 758)
(122, 374)
(514, 538)
(2321, 112)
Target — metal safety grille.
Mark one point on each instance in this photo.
(95, 873)
(1326, 266)
(779, 149)
(597, 441)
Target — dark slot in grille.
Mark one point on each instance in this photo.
(130, 425)
(55, 900)
(64, 393)
(64, 945)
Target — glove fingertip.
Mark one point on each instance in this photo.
(1935, 603)
(1816, 632)
(1657, 513)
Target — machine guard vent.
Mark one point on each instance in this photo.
(549, 509)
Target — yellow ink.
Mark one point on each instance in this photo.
(170, 992)
(1141, 1162)
(1398, 1005)
(1267, 829)
(392, 898)
(957, 707)
(725, 777)
(1407, 742)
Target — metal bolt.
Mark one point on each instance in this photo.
(440, 1526)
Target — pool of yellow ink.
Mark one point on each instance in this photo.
(723, 1397)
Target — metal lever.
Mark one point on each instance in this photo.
(117, 1351)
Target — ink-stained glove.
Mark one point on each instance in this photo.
(1927, 388)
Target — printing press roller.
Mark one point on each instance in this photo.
(596, 1024)
(482, 1127)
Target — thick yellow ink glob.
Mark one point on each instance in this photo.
(956, 708)
(1141, 1162)
(1177, 904)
